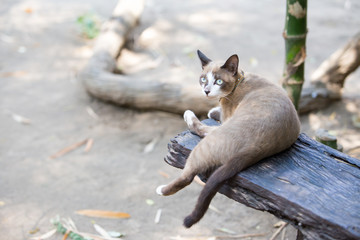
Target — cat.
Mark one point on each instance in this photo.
(257, 120)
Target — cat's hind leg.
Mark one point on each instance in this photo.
(213, 184)
(195, 126)
(185, 179)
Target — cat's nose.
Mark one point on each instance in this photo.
(207, 92)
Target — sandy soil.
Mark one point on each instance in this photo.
(41, 51)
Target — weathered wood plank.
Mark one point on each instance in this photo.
(314, 187)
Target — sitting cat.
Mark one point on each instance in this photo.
(258, 120)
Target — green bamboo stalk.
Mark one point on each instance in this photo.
(295, 48)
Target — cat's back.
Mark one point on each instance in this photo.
(265, 116)
(260, 96)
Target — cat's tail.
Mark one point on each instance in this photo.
(213, 184)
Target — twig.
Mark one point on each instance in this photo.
(242, 236)
(219, 237)
(68, 149)
(278, 231)
(89, 144)
(198, 181)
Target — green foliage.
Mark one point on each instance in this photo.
(61, 229)
(89, 24)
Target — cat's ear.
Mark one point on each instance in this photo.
(204, 59)
(232, 64)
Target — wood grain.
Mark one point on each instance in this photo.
(310, 185)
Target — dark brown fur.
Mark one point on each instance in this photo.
(258, 120)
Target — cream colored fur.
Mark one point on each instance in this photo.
(257, 121)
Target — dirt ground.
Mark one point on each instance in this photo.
(44, 108)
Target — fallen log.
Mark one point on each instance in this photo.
(328, 80)
(310, 185)
(144, 92)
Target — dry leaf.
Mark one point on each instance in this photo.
(279, 224)
(71, 224)
(22, 49)
(356, 120)
(13, 74)
(115, 234)
(157, 216)
(92, 113)
(6, 38)
(103, 214)
(102, 231)
(20, 119)
(332, 116)
(34, 231)
(66, 234)
(164, 174)
(214, 208)
(45, 236)
(284, 224)
(28, 10)
(150, 202)
(150, 146)
(225, 230)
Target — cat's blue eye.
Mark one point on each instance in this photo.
(219, 82)
(203, 80)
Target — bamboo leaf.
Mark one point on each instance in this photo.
(101, 231)
(102, 214)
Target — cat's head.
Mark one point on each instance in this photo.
(218, 80)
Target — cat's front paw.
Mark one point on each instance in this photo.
(189, 117)
(215, 113)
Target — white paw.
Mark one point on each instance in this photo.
(188, 116)
(159, 190)
(214, 110)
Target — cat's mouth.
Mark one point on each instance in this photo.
(214, 96)
(209, 95)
